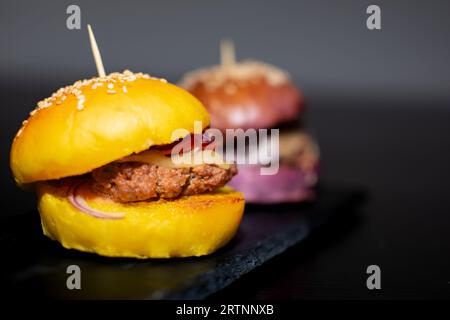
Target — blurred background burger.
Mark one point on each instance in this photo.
(255, 95)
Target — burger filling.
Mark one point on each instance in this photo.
(153, 174)
(134, 181)
(297, 149)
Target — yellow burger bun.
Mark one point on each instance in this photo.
(189, 226)
(94, 122)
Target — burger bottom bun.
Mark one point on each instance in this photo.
(190, 226)
(290, 184)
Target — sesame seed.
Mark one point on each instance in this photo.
(243, 72)
(76, 89)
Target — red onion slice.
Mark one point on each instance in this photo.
(80, 203)
(193, 142)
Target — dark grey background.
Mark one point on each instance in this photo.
(379, 104)
(324, 44)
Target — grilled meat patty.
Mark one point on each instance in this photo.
(135, 181)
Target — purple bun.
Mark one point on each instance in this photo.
(290, 184)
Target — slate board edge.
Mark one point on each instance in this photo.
(270, 247)
(235, 267)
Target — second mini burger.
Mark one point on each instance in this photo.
(255, 95)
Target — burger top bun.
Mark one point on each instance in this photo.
(94, 122)
(247, 94)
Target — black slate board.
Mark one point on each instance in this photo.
(35, 266)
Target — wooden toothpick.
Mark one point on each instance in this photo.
(96, 53)
(227, 52)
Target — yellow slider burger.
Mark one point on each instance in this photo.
(98, 153)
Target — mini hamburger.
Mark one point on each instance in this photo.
(252, 94)
(98, 153)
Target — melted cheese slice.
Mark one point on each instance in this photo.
(186, 160)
